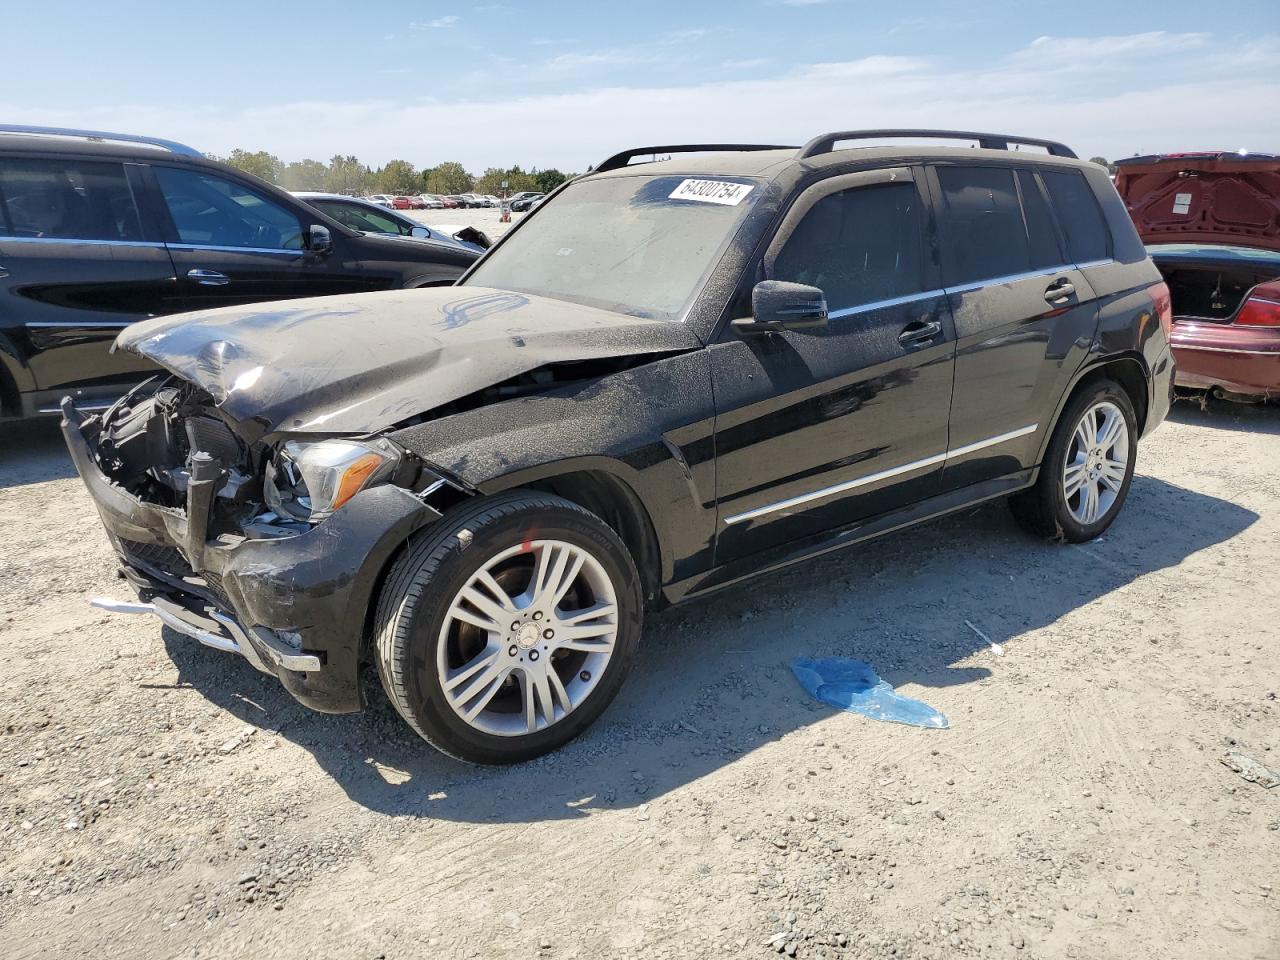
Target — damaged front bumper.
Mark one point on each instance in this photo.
(295, 605)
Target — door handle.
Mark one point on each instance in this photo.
(1059, 290)
(919, 331)
(208, 278)
(4, 271)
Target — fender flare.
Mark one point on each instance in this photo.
(1088, 369)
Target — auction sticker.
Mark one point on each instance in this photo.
(1182, 203)
(711, 191)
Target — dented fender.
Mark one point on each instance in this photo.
(649, 426)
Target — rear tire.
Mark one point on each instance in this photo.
(1087, 469)
(505, 629)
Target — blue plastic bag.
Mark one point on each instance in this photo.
(852, 685)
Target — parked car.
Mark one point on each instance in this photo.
(1211, 222)
(370, 218)
(382, 200)
(429, 202)
(99, 230)
(525, 201)
(417, 203)
(401, 203)
(669, 378)
(448, 203)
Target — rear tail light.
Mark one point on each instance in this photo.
(1262, 309)
(1163, 304)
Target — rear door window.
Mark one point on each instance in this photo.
(858, 246)
(985, 236)
(210, 211)
(1087, 236)
(66, 200)
(1042, 234)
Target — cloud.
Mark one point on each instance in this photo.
(1106, 53)
(685, 36)
(1128, 107)
(749, 63)
(613, 58)
(436, 24)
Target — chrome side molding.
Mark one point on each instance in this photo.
(881, 475)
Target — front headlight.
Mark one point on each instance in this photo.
(309, 480)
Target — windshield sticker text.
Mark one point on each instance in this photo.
(711, 191)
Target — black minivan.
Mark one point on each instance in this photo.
(99, 230)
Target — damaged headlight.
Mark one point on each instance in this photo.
(310, 480)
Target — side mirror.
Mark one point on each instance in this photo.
(779, 305)
(318, 239)
(422, 232)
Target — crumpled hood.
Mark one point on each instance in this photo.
(360, 363)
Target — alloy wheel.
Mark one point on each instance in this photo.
(528, 637)
(1098, 459)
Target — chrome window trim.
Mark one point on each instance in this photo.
(49, 324)
(154, 244)
(880, 475)
(1095, 263)
(1011, 278)
(196, 247)
(884, 304)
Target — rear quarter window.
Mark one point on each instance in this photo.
(1086, 231)
(66, 200)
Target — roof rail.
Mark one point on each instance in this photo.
(626, 156)
(826, 143)
(169, 145)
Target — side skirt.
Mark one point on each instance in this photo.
(799, 551)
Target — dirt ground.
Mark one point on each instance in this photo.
(159, 799)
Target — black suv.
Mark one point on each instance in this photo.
(98, 230)
(669, 377)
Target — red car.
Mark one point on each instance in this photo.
(1211, 222)
(401, 203)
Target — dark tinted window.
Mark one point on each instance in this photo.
(1079, 214)
(357, 216)
(858, 246)
(1041, 233)
(209, 210)
(985, 236)
(68, 200)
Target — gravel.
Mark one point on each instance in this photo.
(159, 799)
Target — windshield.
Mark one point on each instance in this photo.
(634, 245)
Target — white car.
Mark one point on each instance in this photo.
(382, 200)
(432, 203)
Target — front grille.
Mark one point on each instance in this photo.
(168, 561)
(159, 557)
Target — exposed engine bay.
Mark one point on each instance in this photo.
(148, 440)
(170, 446)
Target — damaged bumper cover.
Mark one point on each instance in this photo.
(295, 605)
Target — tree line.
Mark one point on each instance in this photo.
(348, 175)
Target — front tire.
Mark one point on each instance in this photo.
(505, 629)
(1087, 469)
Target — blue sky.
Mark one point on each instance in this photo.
(564, 84)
